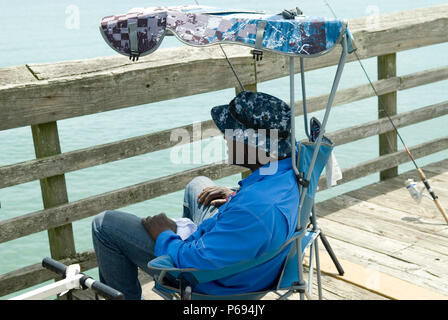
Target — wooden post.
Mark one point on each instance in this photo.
(54, 189)
(248, 87)
(387, 68)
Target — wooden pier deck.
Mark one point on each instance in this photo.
(389, 246)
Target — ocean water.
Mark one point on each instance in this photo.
(50, 31)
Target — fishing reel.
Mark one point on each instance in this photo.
(416, 194)
(292, 13)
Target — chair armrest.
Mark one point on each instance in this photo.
(165, 263)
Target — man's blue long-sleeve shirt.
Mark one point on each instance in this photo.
(258, 219)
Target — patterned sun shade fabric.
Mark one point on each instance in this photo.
(201, 26)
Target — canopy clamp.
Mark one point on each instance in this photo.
(303, 182)
(257, 52)
(133, 41)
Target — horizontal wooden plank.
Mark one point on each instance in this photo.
(130, 85)
(81, 88)
(382, 87)
(97, 155)
(383, 125)
(16, 75)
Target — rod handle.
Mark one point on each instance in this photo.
(106, 291)
(54, 266)
(441, 209)
(421, 174)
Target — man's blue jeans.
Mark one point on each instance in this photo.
(122, 244)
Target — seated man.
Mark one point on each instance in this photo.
(232, 226)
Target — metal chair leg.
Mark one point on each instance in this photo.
(331, 253)
(310, 271)
(319, 283)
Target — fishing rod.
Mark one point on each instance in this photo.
(233, 70)
(228, 61)
(409, 185)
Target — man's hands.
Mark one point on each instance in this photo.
(157, 224)
(215, 195)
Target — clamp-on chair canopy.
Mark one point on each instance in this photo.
(140, 32)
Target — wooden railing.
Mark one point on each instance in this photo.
(40, 95)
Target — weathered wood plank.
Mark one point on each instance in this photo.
(95, 89)
(383, 86)
(380, 126)
(125, 86)
(16, 75)
(97, 155)
(161, 57)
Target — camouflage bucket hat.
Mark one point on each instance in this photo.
(257, 119)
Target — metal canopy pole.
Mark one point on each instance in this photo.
(324, 123)
(293, 157)
(302, 81)
(301, 283)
